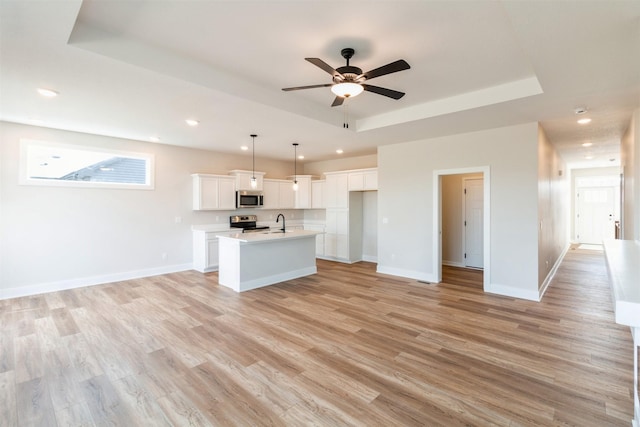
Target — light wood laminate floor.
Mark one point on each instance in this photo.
(344, 347)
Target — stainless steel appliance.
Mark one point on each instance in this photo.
(249, 199)
(247, 223)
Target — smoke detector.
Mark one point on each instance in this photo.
(580, 110)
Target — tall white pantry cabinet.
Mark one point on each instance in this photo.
(343, 198)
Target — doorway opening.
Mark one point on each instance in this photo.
(597, 208)
(462, 222)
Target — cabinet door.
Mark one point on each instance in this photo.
(330, 245)
(342, 246)
(319, 238)
(303, 194)
(226, 193)
(243, 181)
(206, 193)
(370, 180)
(317, 195)
(337, 190)
(271, 190)
(356, 181)
(286, 200)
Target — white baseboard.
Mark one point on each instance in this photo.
(61, 285)
(410, 274)
(510, 291)
(370, 258)
(453, 264)
(552, 273)
(270, 280)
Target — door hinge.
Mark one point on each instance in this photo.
(465, 191)
(465, 255)
(465, 223)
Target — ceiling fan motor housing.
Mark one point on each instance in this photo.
(348, 72)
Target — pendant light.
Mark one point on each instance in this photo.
(254, 183)
(295, 168)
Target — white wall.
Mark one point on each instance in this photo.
(553, 206)
(57, 237)
(340, 164)
(630, 165)
(370, 226)
(405, 175)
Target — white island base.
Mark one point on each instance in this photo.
(253, 260)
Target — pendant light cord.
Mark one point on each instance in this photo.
(253, 156)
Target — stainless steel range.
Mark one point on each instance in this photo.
(247, 223)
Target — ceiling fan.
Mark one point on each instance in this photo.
(348, 81)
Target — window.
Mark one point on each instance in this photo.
(47, 163)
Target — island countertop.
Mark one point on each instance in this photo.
(268, 236)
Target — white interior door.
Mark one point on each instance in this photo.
(595, 214)
(473, 222)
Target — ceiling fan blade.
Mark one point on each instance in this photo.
(338, 101)
(383, 91)
(393, 67)
(321, 64)
(286, 89)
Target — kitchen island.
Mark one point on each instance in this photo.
(253, 260)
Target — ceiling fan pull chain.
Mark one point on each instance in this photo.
(345, 119)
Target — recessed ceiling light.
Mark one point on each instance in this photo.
(244, 148)
(339, 151)
(192, 122)
(587, 144)
(47, 92)
(154, 139)
(584, 121)
(589, 157)
(301, 157)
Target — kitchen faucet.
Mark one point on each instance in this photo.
(283, 224)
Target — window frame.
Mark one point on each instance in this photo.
(25, 179)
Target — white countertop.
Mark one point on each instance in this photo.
(623, 260)
(211, 227)
(269, 236)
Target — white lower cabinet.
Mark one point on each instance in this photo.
(336, 240)
(320, 252)
(205, 250)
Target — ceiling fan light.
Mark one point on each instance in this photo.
(347, 90)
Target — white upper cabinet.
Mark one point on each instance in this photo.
(363, 180)
(213, 192)
(243, 179)
(302, 197)
(337, 190)
(271, 190)
(317, 195)
(278, 194)
(286, 199)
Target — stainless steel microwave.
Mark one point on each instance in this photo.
(249, 199)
